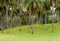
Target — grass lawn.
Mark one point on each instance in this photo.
(41, 33)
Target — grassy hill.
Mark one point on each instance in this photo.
(41, 33)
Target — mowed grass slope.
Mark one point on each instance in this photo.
(41, 33)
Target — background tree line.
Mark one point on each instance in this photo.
(19, 12)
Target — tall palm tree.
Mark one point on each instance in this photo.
(19, 3)
(57, 10)
(46, 10)
(11, 7)
(2, 11)
(4, 5)
(53, 4)
(32, 5)
(8, 3)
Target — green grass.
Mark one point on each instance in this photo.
(40, 33)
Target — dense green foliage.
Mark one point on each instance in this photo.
(21, 17)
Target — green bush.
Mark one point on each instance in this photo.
(50, 20)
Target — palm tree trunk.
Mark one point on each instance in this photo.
(6, 16)
(46, 21)
(57, 18)
(52, 4)
(52, 22)
(1, 25)
(11, 18)
(39, 17)
(32, 12)
(20, 13)
(20, 19)
(1, 21)
(29, 22)
(20, 24)
(11, 12)
(45, 18)
(32, 25)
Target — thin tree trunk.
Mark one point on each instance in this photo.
(39, 18)
(20, 24)
(6, 16)
(7, 24)
(29, 22)
(57, 18)
(11, 18)
(45, 18)
(1, 26)
(46, 21)
(52, 22)
(32, 25)
(20, 20)
(20, 13)
(58, 21)
(1, 22)
(32, 18)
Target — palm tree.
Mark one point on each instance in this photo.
(57, 10)
(8, 3)
(46, 9)
(5, 3)
(19, 4)
(11, 7)
(32, 5)
(53, 5)
(2, 13)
